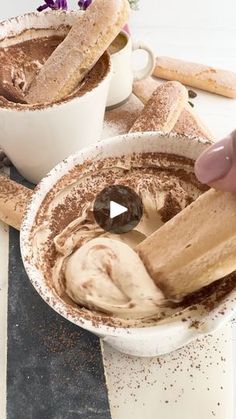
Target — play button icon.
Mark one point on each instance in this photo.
(118, 209)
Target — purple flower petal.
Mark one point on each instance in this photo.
(87, 3)
(60, 4)
(64, 5)
(84, 4)
(57, 4)
(50, 3)
(54, 5)
(43, 7)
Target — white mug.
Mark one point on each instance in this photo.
(36, 138)
(123, 74)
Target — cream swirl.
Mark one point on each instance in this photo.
(107, 275)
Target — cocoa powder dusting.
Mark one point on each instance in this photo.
(197, 360)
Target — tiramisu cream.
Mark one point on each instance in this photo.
(20, 62)
(110, 281)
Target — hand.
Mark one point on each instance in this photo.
(216, 167)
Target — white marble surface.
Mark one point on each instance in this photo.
(194, 382)
(203, 31)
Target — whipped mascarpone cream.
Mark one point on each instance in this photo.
(107, 275)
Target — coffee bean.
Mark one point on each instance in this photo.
(2, 155)
(192, 94)
(6, 162)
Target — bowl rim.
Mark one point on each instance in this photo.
(208, 323)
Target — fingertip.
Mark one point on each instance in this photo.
(217, 165)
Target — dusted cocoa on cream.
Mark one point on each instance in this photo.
(20, 62)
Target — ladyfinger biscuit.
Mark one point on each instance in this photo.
(221, 82)
(195, 248)
(188, 123)
(87, 40)
(163, 108)
(13, 201)
(144, 89)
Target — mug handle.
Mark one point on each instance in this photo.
(148, 69)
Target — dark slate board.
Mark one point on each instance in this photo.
(55, 369)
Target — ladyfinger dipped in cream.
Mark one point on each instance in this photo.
(194, 248)
(87, 40)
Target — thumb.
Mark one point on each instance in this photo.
(216, 166)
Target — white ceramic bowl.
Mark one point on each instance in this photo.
(165, 336)
(36, 139)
